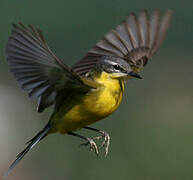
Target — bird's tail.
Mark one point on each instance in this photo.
(43, 133)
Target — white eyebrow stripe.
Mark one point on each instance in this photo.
(110, 62)
(114, 63)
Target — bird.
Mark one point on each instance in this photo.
(92, 88)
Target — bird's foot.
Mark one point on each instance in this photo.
(106, 141)
(92, 144)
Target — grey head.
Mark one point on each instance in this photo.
(116, 66)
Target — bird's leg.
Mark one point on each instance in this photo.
(89, 141)
(104, 135)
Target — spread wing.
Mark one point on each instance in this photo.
(36, 68)
(136, 40)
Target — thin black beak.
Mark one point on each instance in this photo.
(133, 74)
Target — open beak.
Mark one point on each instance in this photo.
(134, 74)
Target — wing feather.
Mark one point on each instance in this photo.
(122, 31)
(144, 27)
(154, 27)
(164, 24)
(135, 40)
(36, 68)
(116, 43)
(133, 30)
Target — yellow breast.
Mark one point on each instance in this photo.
(107, 98)
(94, 106)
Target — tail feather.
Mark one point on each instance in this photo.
(31, 144)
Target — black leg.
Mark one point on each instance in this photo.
(77, 135)
(93, 129)
(89, 141)
(104, 135)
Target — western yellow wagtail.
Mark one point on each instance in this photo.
(91, 89)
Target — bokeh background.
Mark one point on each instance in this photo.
(151, 132)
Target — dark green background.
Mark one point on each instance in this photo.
(151, 132)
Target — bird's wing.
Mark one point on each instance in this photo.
(136, 40)
(37, 69)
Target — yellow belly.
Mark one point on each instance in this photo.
(95, 105)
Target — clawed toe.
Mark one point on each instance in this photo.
(92, 144)
(106, 141)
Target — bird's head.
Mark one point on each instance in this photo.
(116, 68)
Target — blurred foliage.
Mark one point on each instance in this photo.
(151, 131)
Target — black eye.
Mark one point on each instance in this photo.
(117, 67)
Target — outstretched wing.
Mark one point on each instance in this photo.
(37, 69)
(136, 40)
